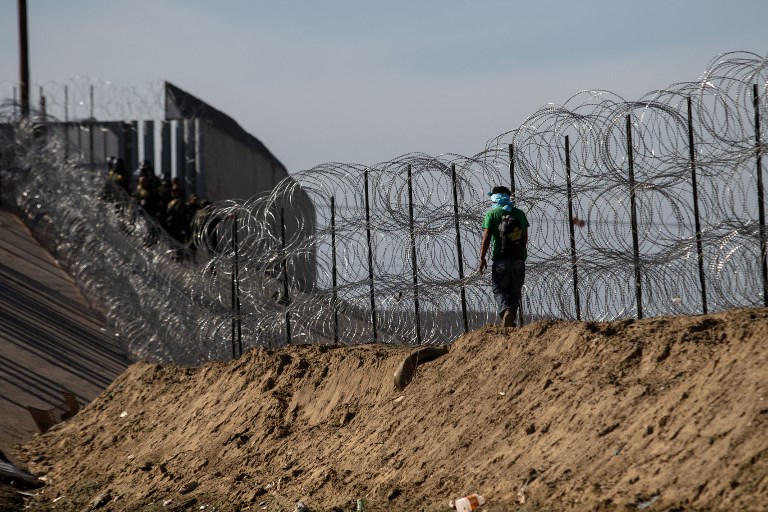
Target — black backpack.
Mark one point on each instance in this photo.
(511, 237)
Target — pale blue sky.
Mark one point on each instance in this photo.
(363, 82)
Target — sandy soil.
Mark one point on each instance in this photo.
(658, 414)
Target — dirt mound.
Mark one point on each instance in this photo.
(657, 414)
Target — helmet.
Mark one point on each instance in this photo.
(145, 168)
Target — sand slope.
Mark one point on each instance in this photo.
(657, 414)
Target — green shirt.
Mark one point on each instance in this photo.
(492, 220)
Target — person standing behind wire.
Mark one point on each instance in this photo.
(117, 177)
(507, 227)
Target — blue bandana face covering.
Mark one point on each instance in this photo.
(502, 200)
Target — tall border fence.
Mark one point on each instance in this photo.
(637, 208)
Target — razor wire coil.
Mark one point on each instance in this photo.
(310, 268)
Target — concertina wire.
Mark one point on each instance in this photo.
(185, 309)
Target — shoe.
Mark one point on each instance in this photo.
(507, 319)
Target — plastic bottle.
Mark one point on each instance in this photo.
(467, 503)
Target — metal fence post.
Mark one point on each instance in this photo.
(180, 157)
(413, 258)
(149, 144)
(572, 229)
(633, 220)
(66, 123)
(459, 252)
(91, 124)
(370, 255)
(512, 170)
(512, 195)
(286, 298)
(696, 214)
(333, 275)
(165, 149)
(104, 143)
(237, 334)
(760, 193)
(23, 57)
(128, 148)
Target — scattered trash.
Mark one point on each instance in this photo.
(301, 507)
(645, 504)
(467, 503)
(399, 399)
(360, 504)
(167, 502)
(27, 479)
(59, 498)
(501, 393)
(124, 414)
(521, 493)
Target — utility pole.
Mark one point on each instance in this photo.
(23, 59)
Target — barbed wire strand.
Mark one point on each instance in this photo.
(181, 311)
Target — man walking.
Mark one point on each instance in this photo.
(507, 227)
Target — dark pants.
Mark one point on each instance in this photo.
(507, 278)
